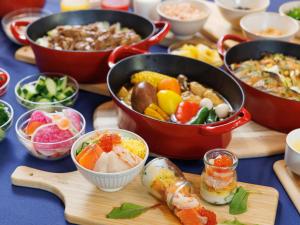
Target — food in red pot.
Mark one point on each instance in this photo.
(176, 100)
(89, 65)
(153, 115)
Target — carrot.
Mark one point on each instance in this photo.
(89, 156)
(32, 126)
(189, 217)
(171, 84)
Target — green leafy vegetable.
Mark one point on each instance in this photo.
(294, 13)
(128, 211)
(239, 202)
(232, 222)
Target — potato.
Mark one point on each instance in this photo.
(197, 89)
(143, 95)
(213, 97)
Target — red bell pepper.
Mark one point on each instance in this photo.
(186, 111)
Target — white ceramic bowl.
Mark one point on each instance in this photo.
(292, 156)
(254, 23)
(286, 7)
(109, 182)
(229, 9)
(185, 29)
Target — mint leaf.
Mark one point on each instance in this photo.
(128, 211)
(239, 202)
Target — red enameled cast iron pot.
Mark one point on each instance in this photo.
(266, 109)
(87, 66)
(170, 139)
(7, 6)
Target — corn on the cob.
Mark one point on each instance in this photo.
(155, 112)
(151, 77)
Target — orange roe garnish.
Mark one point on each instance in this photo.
(107, 141)
(211, 216)
(223, 161)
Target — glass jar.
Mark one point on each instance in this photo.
(161, 176)
(219, 178)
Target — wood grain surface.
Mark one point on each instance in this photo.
(290, 182)
(85, 204)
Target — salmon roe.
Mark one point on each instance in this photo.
(107, 141)
(223, 161)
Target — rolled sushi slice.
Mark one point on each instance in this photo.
(166, 182)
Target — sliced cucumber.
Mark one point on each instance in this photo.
(62, 83)
(69, 91)
(40, 85)
(60, 96)
(51, 87)
(44, 100)
(29, 91)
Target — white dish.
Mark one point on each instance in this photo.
(231, 12)
(109, 182)
(292, 156)
(286, 7)
(185, 29)
(255, 23)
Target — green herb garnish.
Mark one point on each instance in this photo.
(232, 222)
(239, 202)
(128, 211)
(294, 13)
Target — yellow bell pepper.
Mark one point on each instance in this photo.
(168, 101)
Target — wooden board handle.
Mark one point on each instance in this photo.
(28, 177)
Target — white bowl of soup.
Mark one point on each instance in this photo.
(292, 151)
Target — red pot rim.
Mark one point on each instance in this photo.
(32, 42)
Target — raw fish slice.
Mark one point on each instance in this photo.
(115, 164)
(102, 163)
(128, 157)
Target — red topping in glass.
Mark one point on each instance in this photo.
(223, 161)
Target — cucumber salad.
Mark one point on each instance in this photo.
(53, 90)
(4, 118)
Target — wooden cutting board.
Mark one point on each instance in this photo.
(248, 141)
(85, 204)
(289, 180)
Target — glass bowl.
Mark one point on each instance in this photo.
(4, 127)
(27, 14)
(69, 101)
(47, 150)
(3, 88)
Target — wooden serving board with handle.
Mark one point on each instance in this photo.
(85, 204)
(248, 141)
(290, 182)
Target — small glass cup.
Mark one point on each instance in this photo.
(218, 183)
(161, 176)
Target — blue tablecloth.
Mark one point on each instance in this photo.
(35, 207)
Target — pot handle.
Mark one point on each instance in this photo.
(122, 52)
(233, 37)
(164, 28)
(244, 117)
(14, 28)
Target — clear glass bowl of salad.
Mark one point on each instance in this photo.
(47, 89)
(6, 118)
(49, 133)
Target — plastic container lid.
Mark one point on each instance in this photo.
(115, 4)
